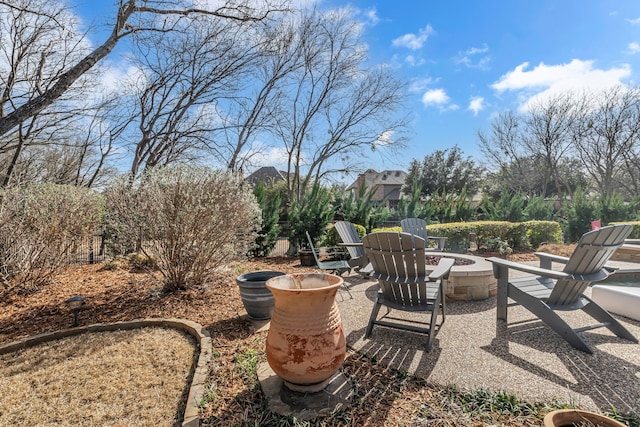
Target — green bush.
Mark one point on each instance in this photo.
(518, 235)
(312, 214)
(538, 208)
(580, 213)
(189, 220)
(539, 232)
(42, 226)
(268, 234)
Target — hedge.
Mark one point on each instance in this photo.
(519, 235)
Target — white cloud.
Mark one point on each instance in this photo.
(372, 16)
(634, 21)
(476, 105)
(438, 98)
(474, 57)
(545, 81)
(419, 85)
(413, 61)
(261, 155)
(413, 41)
(633, 48)
(385, 138)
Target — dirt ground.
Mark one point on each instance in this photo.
(115, 294)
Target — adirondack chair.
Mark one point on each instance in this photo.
(338, 267)
(398, 261)
(550, 291)
(352, 242)
(418, 227)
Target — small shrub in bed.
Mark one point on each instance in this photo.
(189, 220)
(42, 228)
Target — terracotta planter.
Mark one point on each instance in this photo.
(575, 417)
(305, 343)
(256, 298)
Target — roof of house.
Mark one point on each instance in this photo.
(386, 177)
(266, 174)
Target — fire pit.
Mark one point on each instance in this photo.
(471, 277)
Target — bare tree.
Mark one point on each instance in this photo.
(185, 75)
(132, 17)
(337, 108)
(608, 134)
(254, 111)
(542, 135)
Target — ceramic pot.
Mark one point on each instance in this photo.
(256, 298)
(305, 343)
(576, 417)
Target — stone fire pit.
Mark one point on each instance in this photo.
(471, 280)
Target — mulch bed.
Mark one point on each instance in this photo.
(384, 397)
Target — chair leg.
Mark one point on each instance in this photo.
(611, 323)
(550, 317)
(372, 318)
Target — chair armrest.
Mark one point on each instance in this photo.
(551, 257)
(442, 269)
(552, 274)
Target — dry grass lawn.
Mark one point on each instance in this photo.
(121, 378)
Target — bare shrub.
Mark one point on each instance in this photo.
(41, 228)
(189, 220)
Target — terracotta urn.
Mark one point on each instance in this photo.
(576, 417)
(305, 343)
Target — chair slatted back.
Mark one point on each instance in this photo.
(592, 252)
(315, 252)
(415, 226)
(398, 261)
(349, 234)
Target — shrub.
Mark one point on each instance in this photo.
(580, 213)
(268, 234)
(311, 214)
(42, 226)
(540, 232)
(538, 208)
(190, 220)
(517, 235)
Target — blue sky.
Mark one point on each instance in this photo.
(467, 61)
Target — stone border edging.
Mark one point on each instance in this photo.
(196, 389)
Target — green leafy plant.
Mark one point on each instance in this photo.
(268, 234)
(498, 245)
(312, 215)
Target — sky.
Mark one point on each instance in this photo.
(467, 61)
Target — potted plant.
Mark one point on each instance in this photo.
(256, 298)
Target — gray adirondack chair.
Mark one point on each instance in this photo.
(353, 243)
(398, 261)
(338, 267)
(418, 227)
(549, 291)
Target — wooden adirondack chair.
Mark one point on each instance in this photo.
(551, 291)
(338, 267)
(398, 261)
(352, 242)
(418, 227)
